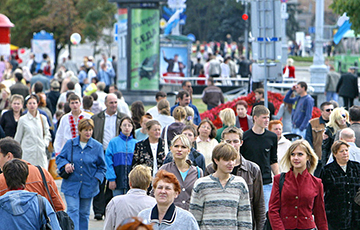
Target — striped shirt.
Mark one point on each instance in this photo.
(218, 207)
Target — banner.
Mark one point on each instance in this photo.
(145, 49)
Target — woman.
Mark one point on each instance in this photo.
(137, 111)
(141, 133)
(301, 199)
(206, 141)
(339, 119)
(42, 106)
(118, 157)
(9, 120)
(289, 69)
(151, 151)
(33, 133)
(86, 169)
(228, 119)
(175, 128)
(276, 127)
(243, 121)
(189, 120)
(341, 180)
(4, 100)
(164, 116)
(182, 168)
(284, 113)
(165, 214)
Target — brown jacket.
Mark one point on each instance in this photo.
(34, 184)
(317, 131)
(252, 175)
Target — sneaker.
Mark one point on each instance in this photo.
(98, 216)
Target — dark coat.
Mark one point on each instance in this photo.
(348, 86)
(170, 67)
(340, 189)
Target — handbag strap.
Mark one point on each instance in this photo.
(45, 185)
(281, 182)
(42, 209)
(72, 142)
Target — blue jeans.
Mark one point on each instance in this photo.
(117, 192)
(79, 211)
(267, 192)
(332, 96)
(298, 131)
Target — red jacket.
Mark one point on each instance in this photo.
(301, 198)
(291, 71)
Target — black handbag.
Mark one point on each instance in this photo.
(42, 208)
(61, 172)
(267, 225)
(64, 219)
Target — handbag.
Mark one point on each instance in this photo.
(42, 208)
(64, 219)
(267, 225)
(62, 173)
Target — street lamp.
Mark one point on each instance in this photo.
(245, 17)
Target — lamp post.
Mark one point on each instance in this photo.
(246, 31)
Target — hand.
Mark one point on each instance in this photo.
(112, 185)
(325, 93)
(69, 168)
(294, 87)
(325, 136)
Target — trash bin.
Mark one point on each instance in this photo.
(171, 97)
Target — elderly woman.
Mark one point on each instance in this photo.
(206, 141)
(301, 198)
(82, 158)
(276, 127)
(243, 120)
(341, 180)
(33, 133)
(228, 119)
(165, 214)
(182, 168)
(339, 119)
(9, 120)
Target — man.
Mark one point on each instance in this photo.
(348, 135)
(251, 174)
(106, 75)
(354, 115)
(70, 65)
(174, 66)
(315, 130)
(125, 206)
(214, 67)
(31, 63)
(106, 127)
(212, 95)
(70, 88)
(221, 200)
(260, 146)
(184, 100)
(347, 87)
(41, 78)
(11, 149)
(14, 63)
(186, 85)
(158, 97)
(260, 100)
(101, 94)
(198, 66)
(53, 95)
(18, 87)
(302, 109)
(332, 79)
(68, 124)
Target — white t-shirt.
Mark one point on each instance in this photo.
(154, 148)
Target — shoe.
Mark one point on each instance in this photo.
(98, 216)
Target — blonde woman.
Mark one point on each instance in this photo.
(164, 116)
(189, 119)
(302, 195)
(228, 119)
(339, 119)
(175, 128)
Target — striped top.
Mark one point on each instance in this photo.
(218, 207)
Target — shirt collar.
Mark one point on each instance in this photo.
(199, 140)
(169, 217)
(107, 115)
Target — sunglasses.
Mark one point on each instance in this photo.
(343, 115)
(328, 110)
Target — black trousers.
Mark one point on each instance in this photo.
(102, 198)
(348, 102)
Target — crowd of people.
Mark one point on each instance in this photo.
(166, 168)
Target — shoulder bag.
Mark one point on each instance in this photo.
(42, 208)
(62, 173)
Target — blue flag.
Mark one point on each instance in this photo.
(342, 30)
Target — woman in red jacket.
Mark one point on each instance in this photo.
(302, 196)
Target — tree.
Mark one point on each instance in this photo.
(351, 8)
(292, 25)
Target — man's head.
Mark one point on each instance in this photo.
(233, 136)
(113, 88)
(347, 135)
(210, 81)
(326, 109)
(54, 85)
(111, 103)
(38, 87)
(176, 57)
(354, 113)
(259, 94)
(88, 102)
(160, 95)
(70, 85)
(9, 149)
(140, 177)
(74, 103)
(224, 152)
(301, 87)
(18, 77)
(261, 116)
(186, 85)
(15, 172)
(101, 86)
(184, 98)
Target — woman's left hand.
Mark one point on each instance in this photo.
(69, 168)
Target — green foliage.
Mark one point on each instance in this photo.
(292, 25)
(351, 8)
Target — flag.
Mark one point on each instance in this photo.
(344, 25)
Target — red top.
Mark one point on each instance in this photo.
(301, 198)
(291, 71)
(244, 123)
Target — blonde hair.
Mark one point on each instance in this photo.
(335, 116)
(305, 146)
(189, 115)
(228, 117)
(179, 113)
(184, 140)
(290, 62)
(140, 177)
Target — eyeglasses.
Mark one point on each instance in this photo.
(328, 110)
(236, 141)
(343, 115)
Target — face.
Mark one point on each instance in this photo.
(75, 105)
(111, 104)
(342, 155)
(4, 94)
(205, 130)
(126, 127)
(185, 101)
(262, 120)
(299, 90)
(298, 159)
(165, 193)
(4, 159)
(179, 150)
(86, 133)
(16, 105)
(241, 111)
(327, 111)
(32, 105)
(225, 166)
(234, 140)
(190, 135)
(112, 89)
(143, 123)
(258, 96)
(277, 129)
(342, 120)
(176, 58)
(155, 131)
(187, 87)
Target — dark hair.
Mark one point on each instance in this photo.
(336, 146)
(147, 115)
(183, 93)
(115, 87)
(70, 85)
(15, 172)
(303, 85)
(18, 76)
(160, 94)
(67, 108)
(354, 113)
(38, 87)
(8, 144)
(68, 94)
(87, 102)
(150, 123)
(241, 102)
(137, 110)
(32, 96)
(233, 129)
(223, 151)
(73, 97)
(132, 123)
(191, 128)
(94, 96)
(326, 103)
(184, 83)
(213, 128)
(259, 91)
(118, 94)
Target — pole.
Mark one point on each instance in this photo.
(265, 58)
(246, 36)
(284, 53)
